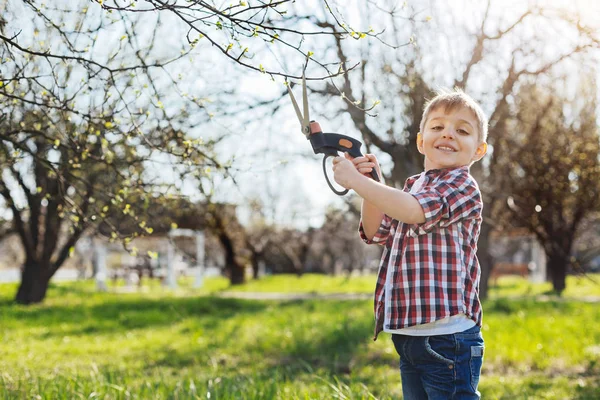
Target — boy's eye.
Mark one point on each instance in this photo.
(437, 127)
(462, 131)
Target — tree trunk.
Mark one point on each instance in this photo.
(303, 257)
(235, 271)
(557, 268)
(255, 259)
(34, 283)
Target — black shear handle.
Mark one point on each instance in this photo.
(338, 192)
(332, 143)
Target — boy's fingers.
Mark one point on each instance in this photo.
(371, 158)
(359, 160)
(365, 164)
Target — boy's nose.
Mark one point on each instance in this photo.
(448, 133)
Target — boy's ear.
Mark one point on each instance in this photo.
(420, 142)
(480, 152)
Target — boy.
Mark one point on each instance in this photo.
(427, 293)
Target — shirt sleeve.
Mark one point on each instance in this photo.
(382, 234)
(449, 200)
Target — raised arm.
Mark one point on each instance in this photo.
(378, 199)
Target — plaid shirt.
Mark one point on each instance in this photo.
(434, 268)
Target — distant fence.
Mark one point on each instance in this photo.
(506, 268)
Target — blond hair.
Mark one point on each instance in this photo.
(452, 100)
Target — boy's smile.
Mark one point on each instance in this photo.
(450, 139)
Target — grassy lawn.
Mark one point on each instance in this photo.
(188, 344)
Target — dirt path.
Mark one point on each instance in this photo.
(295, 296)
(369, 296)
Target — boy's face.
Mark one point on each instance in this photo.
(450, 139)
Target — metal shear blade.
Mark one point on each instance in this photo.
(304, 118)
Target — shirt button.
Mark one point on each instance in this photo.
(450, 366)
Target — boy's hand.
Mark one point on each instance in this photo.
(365, 165)
(344, 171)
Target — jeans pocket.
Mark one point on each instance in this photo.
(475, 363)
(438, 346)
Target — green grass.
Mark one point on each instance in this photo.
(578, 287)
(309, 283)
(188, 344)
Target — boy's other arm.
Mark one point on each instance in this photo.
(378, 198)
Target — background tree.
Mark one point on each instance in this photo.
(222, 221)
(260, 234)
(84, 128)
(337, 246)
(550, 167)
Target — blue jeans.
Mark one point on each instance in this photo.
(440, 367)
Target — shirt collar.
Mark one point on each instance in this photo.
(432, 173)
(440, 171)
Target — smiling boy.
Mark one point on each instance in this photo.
(427, 294)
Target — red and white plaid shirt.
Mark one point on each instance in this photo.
(434, 268)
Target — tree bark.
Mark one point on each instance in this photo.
(35, 279)
(557, 268)
(255, 259)
(235, 271)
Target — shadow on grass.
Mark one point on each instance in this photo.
(334, 346)
(4, 302)
(120, 314)
(329, 348)
(588, 392)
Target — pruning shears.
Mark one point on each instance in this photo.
(328, 144)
